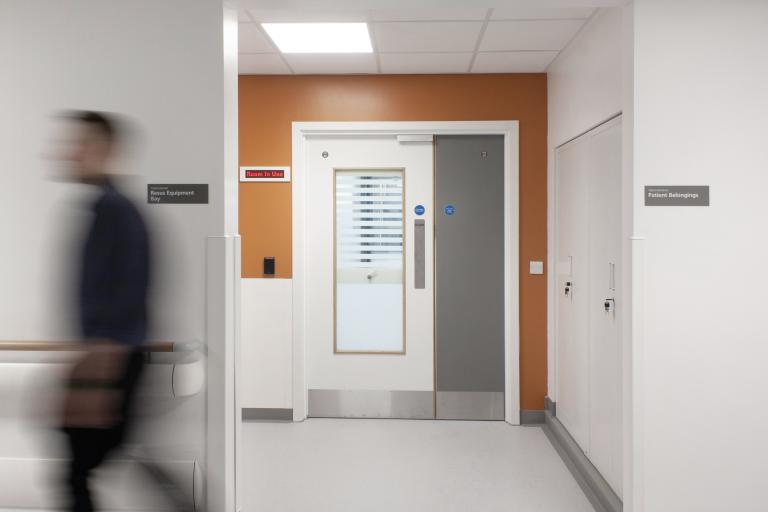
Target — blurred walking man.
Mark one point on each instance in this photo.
(114, 277)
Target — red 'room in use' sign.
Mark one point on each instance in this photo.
(265, 174)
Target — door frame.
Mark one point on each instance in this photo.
(510, 130)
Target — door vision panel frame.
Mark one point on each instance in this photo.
(404, 346)
(510, 130)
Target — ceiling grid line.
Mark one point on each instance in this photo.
(274, 47)
(539, 19)
(575, 36)
(408, 41)
(249, 17)
(375, 46)
(438, 52)
(479, 40)
(470, 20)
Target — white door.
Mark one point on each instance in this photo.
(588, 311)
(572, 253)
(605, 447)
(369, 277)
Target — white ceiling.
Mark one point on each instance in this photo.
(421, 40)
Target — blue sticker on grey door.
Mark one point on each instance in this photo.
(449, 209)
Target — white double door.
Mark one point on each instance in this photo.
(369, 277)
(588, 306)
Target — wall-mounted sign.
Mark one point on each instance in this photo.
(658, 195)
(175, 193)
(419, 210)
(265, 174)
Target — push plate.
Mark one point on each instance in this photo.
(418, 254)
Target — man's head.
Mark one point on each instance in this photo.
(92, 141)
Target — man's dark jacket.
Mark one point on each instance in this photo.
(114, 278)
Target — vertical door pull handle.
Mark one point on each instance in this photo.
(612, 276)
(419, 259)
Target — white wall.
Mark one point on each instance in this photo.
(589, 82)
(701, 76)
(162, 65)
(161, 69)
(267, 344)
(584, 89)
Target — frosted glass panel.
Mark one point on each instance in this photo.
(369, 261)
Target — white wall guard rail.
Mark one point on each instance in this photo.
(176, 369)
(74, 346)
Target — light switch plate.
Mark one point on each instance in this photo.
(537, 267)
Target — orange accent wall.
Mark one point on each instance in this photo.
(269, 104)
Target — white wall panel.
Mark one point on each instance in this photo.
(266, 362)
(32, 453)
(164, 71)
(572, 284)
(584, 81)
(701, 77)
(605, 280)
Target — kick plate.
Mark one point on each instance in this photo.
(334, 403)
(470, 405)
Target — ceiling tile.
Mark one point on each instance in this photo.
(338, 63)
(408, 14)
(541, 13)
(417, 14)
(423, 63)
(306, 15)
(529, 35)
(449, 36)
(262, 64)
(252, 39)
(513, 62)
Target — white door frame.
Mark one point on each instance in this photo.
(510, 130)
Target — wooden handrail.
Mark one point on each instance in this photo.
(73, 346)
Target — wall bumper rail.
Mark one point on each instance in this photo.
(597, 490)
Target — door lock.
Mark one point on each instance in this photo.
(610, 305)
(568, 286)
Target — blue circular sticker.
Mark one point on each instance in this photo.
(450, 209)
(419, 209)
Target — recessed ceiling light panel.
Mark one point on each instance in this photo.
(320, 37)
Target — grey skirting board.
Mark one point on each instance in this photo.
(531, 417)
(587, 476)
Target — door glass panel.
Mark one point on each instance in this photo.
(369, 291)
